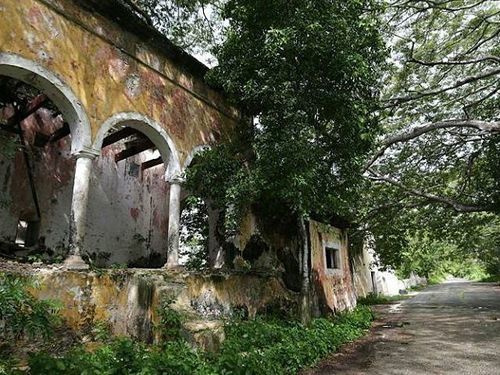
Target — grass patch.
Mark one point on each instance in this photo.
(254, 347)
(490, 279)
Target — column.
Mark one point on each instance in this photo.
(215, 251)
(79, 201)
(174, 218)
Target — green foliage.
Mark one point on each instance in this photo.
(307, 71)
(251, 347)
(101, 331)
(194, 233)
(436, 260)
(398, 233)
(194, 25)
(22, 314)
(170, 322)
(444, 67)
(123, 356)
(284, 347)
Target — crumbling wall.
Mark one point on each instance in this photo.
(333, 288)
(364, 276)
(127, 214)
(128, 301)
(132, 207)
(53, 179)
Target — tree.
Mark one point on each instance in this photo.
(441, 104)
(307, 72)
(437, 165)
(194, 25)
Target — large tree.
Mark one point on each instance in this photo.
(441, 104)
(306, 71)
(195, 25)
(437, 165)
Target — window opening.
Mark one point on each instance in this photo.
(332, 258)
(27, 233)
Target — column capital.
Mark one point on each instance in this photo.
(176, 178)
(86, 152)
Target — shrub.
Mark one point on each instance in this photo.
(252, 347)
(22, 314)
(284, 347)
(124, 357)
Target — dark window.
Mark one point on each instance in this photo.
(27, 233)
(332, 258)
(133, 169)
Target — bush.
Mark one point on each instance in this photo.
(284, 347)
(124, 356)
(259, 347)
(21, 313)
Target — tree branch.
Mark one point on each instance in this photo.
(406, 135)
(404, 99)
(457, 206)
(455, 61)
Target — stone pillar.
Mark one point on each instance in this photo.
(215, 251)
(79, 201)
(174, 218)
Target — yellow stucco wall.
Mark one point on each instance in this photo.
(332, 288)
(112, 71)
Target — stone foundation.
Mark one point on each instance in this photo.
(128, 301)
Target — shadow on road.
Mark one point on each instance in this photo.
(450, 328)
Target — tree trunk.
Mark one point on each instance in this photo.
(305, 309)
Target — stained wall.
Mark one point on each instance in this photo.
(333, 288)
(111, 70)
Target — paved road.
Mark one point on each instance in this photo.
(451, 328)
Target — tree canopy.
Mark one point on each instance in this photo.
(397, 146)
(307, 72)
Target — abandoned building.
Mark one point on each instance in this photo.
(110, 116)
(104, 115)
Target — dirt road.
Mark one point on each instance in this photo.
(450, 328)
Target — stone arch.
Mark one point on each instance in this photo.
(154, 131)
(57, 91)
(195, 151)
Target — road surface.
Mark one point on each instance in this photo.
(450, 328)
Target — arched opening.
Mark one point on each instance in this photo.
(36, 166)
(129, 195)
(201, 224)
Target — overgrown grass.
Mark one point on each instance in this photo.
(251, 347)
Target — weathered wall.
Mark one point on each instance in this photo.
(363, 266)
(53, 175)
(333, 289)
(369, 278)
(128, 300)
(111, 70)
(128, 212)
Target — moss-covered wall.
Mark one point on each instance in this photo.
(129, 300)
